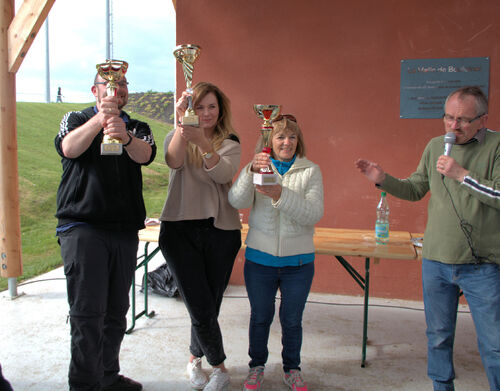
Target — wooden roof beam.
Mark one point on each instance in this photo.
(24, 28)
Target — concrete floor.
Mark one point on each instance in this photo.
(34, 343)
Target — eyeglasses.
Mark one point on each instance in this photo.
(461, 121)
(121, 84)
(287, 116)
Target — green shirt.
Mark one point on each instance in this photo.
(476, 199)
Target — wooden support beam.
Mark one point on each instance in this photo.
(24, 28)
(10, 226)
(16, 36)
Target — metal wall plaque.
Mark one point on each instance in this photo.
(425, 83)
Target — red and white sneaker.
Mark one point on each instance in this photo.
(293, 379)
(254, 379)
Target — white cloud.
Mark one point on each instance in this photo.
(143, 35)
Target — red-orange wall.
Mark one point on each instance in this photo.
(336, 66)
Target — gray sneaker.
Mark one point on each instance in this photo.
(254, 379)
(197, 377)
(294, 380)
(218, 381)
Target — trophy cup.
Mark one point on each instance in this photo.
(187, 55)
(111, 71)
(268, 113)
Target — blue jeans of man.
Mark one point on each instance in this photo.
(262, 283)
(441, 287)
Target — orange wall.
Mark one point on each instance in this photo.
(336, 66)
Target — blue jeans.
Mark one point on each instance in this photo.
(481, 287)
(262, 283)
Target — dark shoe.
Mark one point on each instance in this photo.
(124, 384)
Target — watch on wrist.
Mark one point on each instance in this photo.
(129, 140)
(207, 155)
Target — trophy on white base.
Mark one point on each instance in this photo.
(112, 71)
(187, 55)
(268, 113)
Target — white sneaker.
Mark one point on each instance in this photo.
(197, 377)
(218, 381)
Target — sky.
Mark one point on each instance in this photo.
(143, 34)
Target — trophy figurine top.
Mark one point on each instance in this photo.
(112, 71)
(187, 55)
(268, 113)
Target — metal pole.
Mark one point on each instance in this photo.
(12, 283)
(108, 31)
(47, 62)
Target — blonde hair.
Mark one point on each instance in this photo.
(285, 123)
(223, 127)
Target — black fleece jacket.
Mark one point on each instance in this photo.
(102, 190)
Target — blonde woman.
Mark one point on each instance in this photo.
(200, 231)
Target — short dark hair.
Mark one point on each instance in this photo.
(476, 93)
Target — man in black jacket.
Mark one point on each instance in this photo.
(100, 209)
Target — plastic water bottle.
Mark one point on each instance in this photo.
(382, 223)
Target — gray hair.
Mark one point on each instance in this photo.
(476, 93)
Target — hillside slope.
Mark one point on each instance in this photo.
(154, 105)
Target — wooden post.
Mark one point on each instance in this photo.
(10, 223)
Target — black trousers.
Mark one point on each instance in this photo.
(4, 384)
(201, 258)
(99, 266)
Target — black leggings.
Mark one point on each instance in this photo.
(201, 258)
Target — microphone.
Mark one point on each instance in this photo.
(449, 140)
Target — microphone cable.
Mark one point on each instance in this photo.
(466, 228)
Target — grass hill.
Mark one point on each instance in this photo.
(154, 105)
(40, 173)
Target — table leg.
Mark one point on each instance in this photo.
(364, 283)
(365, 314)
(133, 306)
(146, 257)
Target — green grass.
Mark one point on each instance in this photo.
(39, 175)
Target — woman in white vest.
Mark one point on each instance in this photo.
(280, 248)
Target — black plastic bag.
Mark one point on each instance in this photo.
(161, 281)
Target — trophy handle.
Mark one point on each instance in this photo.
(110, 89)
(189, 111)
(188, 69)
(266, 140)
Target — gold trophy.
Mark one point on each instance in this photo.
(268, 113)
(187, 55)
(111, 71)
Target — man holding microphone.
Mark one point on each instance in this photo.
(461, 249)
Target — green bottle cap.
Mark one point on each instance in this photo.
(383, 194)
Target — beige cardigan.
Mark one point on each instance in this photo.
(196, 193)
